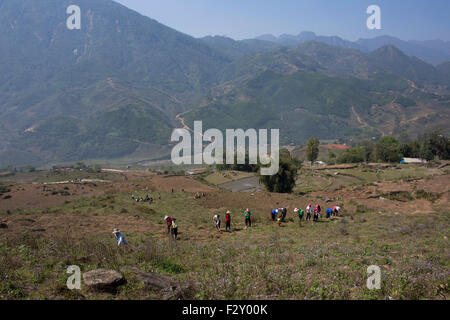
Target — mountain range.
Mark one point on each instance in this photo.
(319, 90)
(117, 88)
(433, 51)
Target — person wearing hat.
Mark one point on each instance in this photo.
(119, 237)
(299, 212)
(228, 221)
(336, 210)
(168, 223)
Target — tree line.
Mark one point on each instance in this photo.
(430, 146)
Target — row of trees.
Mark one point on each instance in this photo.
(430, 146)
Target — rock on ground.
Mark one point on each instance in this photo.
(103, 279)
(154, 280)
(166, 285)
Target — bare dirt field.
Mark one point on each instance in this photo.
(44, 195)
(30, 196)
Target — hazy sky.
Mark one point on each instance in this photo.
(240, 19)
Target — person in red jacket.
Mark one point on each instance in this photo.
(317, 213)
(168, 223)
(228, 221)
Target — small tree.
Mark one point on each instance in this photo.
(284, 180)
(312, 150)
(387, 149)
(331, 157)
(352, 155)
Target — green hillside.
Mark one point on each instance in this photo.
(114, 88)
(89, 78)
(329, 92)
(301, 105)
(236, 49)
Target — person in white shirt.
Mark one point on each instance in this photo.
(336, 210)
(308, 211)
(216, 219)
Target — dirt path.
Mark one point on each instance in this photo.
(414, 86)
(364, 123)
(181, 119)
(185, 126)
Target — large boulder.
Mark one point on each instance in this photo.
(103, 279)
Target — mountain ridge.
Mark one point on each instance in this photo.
(434, 52)
(368, 94)
(77, 75)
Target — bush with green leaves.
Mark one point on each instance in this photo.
(284, 180)
(352, 155)
(387, 149)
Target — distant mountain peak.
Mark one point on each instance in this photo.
(307, 33)
(390, 52)
(267, 37)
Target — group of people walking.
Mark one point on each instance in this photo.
(172, 226)
(198, 195)
(247, 219)
(316, 212)
(140, 199)
(278, 214)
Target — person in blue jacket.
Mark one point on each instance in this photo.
(119, 237)
(274, 214)
(329, 212)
